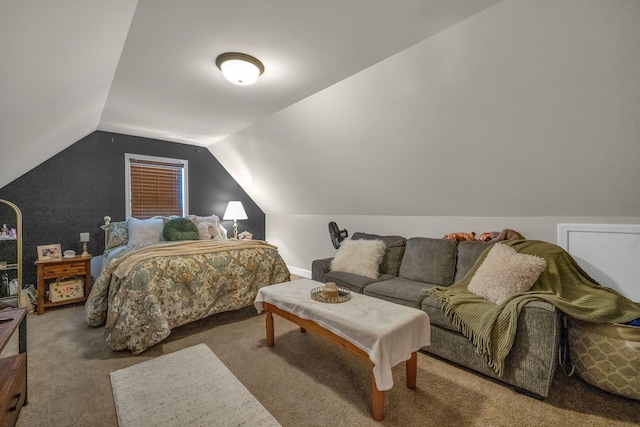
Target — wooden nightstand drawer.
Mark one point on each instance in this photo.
(14, 391)
(63, 269)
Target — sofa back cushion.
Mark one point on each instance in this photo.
(468, 253)
(429, 260)
(393, 256)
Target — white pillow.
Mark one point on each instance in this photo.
(361, 257)
(222, 233)
(505, 273)
(219, 234)
(145, 230)
(207, 230)
(213, 219)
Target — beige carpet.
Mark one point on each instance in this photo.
(302, 381)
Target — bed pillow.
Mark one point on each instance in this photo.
(218, 233)
(214, 219)
(180, 229)
(222, 233)
(361, 257)
(117, 234)
(207, 230)
(505, 273)
(145, 230)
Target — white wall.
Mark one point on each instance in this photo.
(522, 116)
(303, 238)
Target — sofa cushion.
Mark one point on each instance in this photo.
(361, 257)
(398, 290)
(353, 282)
(437, 316)
(468, 253)
(429, 260)
(393, 256)
(505, 273)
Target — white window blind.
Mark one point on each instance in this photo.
(156, 186)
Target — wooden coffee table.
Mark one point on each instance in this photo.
(363, 325)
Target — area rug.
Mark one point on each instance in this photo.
(190, 387)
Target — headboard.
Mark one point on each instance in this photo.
(107, 221)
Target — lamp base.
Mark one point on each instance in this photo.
(84, 249)
(235, 230)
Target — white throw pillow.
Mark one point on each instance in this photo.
(222, 233)
(219, 234)
(145, 230)
(207, 230)
(361, 257)
(505, 273)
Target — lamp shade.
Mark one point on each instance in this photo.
(239, 68)
(84, 237)
(235, 211)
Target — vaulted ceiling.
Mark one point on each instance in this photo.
(486, 108)
(146, 67)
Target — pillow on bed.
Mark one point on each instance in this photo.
(218, 233)
(361, 257)
(166, 219)
(145, 230)
(207, 230)
(180, 229)
(222, 233)
(505, 273)
(117, 234)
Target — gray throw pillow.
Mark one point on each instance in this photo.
(429, 260)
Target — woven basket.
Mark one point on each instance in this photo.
(606, 355)
(66, 288)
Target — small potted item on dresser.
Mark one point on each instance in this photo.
(68, 254)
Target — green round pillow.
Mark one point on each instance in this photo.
(180, 229)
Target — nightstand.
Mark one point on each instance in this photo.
(50, 270)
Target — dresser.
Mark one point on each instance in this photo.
(13, 369)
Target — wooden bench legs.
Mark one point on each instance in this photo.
(377, 396)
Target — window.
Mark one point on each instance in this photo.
(155, 186)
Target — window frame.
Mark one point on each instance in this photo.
(185, 178)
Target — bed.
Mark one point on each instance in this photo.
(148, 286)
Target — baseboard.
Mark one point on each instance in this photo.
(300, 272)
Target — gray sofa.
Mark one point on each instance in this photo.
(411, 265)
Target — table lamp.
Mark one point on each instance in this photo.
(235, 211)
(84, 238)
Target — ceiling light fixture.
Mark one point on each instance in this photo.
(239, 68)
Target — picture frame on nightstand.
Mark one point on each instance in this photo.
(47, 252)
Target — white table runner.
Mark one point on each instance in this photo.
(387, 332)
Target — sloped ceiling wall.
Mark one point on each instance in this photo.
(523, 116)
(529, 108)
(70, 67)
(57, 67)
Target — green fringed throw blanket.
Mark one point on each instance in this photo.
(492, 328)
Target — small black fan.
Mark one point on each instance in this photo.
(337, 235)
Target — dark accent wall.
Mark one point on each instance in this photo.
(72, 192)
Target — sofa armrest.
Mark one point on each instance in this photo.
(319, 268)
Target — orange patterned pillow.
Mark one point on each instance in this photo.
(461, 237)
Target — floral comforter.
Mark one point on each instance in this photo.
(143, 292)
